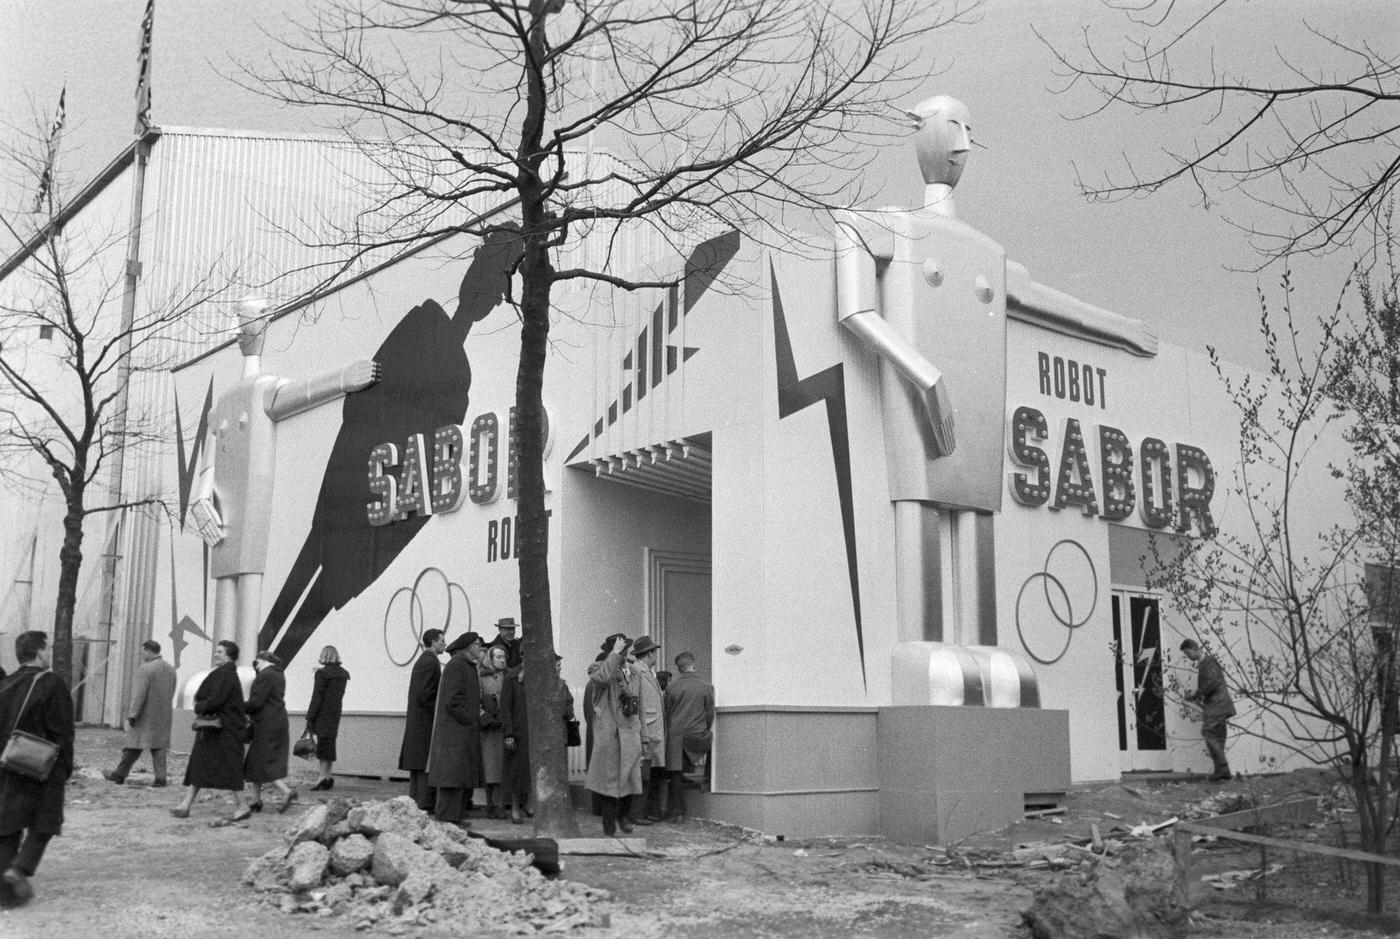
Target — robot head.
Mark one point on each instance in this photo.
(942, 139)
(252, 324)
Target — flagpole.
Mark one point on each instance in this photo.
(126, 661)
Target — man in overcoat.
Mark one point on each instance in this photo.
(35, 700)
(649, 809)
(418, 718)
(615, 772)
(690, 715)
(454, 756)
(148, 715)
(1217, 707)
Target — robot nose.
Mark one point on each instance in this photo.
(962, 141)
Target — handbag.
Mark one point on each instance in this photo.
(26, 754)
(207, 723)
(571, 734)
(305, 747)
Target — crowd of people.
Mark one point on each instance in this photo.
(247, 742)
(466, 728)
(646, 732)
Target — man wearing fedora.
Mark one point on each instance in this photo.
(506, 638)
(653, 714)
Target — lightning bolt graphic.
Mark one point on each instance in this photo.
(653, 358)
(796, 394)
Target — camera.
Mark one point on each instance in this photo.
(631, 704)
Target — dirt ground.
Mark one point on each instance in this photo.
(125, 867)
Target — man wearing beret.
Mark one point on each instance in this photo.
(454, 756)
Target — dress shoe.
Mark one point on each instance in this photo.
(160, 784)
(1219, 777)
(180, 812)
(323, 784)
(112, 777)
(20, 887)
(287, 802)
(244, 815)
(641, 821)
(255, 806)
(625, 824)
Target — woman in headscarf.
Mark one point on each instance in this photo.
(266, 761)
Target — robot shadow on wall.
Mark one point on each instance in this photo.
(420, 378)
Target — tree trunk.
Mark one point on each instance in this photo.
(70, 560)
(554, 813)
(1372, 824)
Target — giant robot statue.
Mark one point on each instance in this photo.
(232, 507)
(913, 285)
(930, 296)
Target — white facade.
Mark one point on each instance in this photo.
(717, 477)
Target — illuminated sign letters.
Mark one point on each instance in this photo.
(1176, 484)
(418, 479)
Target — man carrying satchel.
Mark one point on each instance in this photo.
(36, 701)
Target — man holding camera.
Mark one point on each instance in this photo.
(615, 771)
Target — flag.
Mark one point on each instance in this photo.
(51, 156)
(143, 71)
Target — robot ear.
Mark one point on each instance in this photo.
(915, 120)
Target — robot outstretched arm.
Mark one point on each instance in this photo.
(293, 397)
(857, 309)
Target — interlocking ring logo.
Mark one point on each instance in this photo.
(1067, 563)
(433, 602)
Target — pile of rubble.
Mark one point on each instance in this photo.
(389, 866)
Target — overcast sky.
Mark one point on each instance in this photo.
(1163, 259)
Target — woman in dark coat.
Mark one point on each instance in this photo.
(31, 812)
(216, 760)
(323, 715)
(515, 780)
(267, 749)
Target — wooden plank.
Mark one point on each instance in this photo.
(1299, 810)
(1302, 846)
(611, 846)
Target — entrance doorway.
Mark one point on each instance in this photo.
(678, 606)
(1137, 646)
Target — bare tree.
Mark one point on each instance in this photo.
(722, 114)
(1284, 606)
(1311, 146)
(72, 336)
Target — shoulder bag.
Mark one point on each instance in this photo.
(207, 723)
(26, 754)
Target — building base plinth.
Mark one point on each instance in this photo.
(947, 772)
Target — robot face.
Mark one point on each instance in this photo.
(252, 328)
(943, 139)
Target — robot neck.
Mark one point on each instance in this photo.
(252, 366)
(938, 200)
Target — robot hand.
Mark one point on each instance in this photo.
(360, 375)
(938, 407)
(207, 520)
